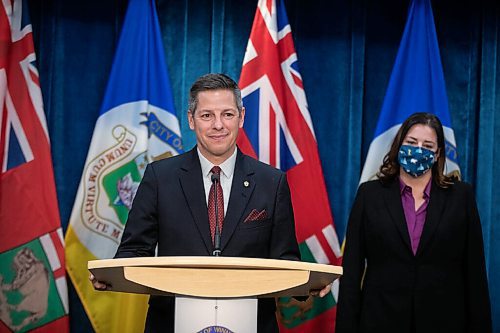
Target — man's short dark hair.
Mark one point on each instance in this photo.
(213, 81)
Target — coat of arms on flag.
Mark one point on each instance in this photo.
(137, 124)
(278, 130)
(33, 291)
(114, 170)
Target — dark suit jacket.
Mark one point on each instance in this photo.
(443, 288)
(170, 210)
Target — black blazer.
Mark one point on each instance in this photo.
(170, 211)
(443, 288)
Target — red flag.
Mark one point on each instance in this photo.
(33, 291)
(278, 130)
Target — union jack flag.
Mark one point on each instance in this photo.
(20, 91)
(31, 242)
(278, 130)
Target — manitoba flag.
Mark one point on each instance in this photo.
(33, 291)
(278, 130)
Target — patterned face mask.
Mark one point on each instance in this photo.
(415, 160)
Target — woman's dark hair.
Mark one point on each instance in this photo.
(390, 167)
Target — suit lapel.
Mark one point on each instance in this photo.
(435, 208)
(241, 190)
(192, 185)
(395, 207)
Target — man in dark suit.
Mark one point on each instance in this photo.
(170, 207)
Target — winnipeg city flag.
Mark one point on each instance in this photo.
(278, 130)
(33, 290)
(137, 124)
(416, 85)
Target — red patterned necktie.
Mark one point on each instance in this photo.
(211, 204)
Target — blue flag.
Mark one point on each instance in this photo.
(137, 124)
(416, 85)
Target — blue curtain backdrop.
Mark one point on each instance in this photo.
(346, 51)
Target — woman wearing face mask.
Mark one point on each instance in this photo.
(414, 259)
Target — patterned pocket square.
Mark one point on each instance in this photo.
(255, 215)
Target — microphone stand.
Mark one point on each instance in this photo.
(217, 251)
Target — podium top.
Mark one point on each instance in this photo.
(214, 277)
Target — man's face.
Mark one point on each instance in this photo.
(216, 122)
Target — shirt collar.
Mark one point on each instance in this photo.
(403, 188)
(227, 166)
(427, 190)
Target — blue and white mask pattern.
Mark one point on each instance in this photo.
(415, 160)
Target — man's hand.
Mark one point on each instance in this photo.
(99, 285)
(321, 293)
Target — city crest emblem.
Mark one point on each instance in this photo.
(110, 181)
(112, 177)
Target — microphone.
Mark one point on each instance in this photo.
(216, 179)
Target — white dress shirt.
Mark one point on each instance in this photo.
(226, 176)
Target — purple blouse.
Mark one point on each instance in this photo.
(414, 219)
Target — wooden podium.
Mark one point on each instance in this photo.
(213, 278)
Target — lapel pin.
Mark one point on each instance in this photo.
(246, 183)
